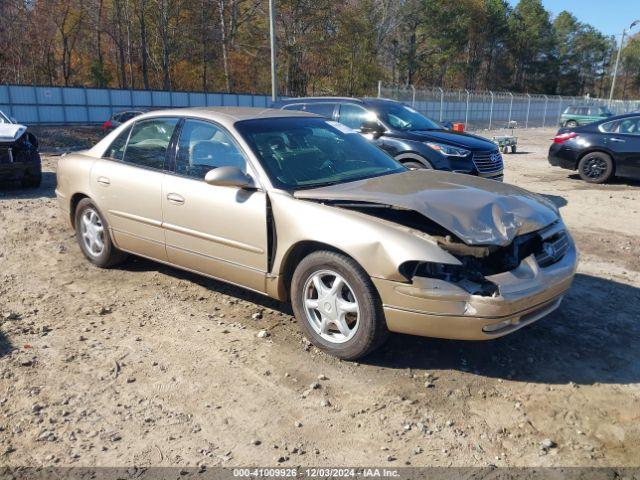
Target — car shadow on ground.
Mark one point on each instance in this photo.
(557, 200)
(138, 264)
(5, 345)
(594, 337)
(13, 190)
(621, 181)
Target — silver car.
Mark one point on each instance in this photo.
(304, 209)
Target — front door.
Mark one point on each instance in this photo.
(218, 231)
(127, 186)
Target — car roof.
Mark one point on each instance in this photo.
(361, 100)
(587, 106)
(225, 115)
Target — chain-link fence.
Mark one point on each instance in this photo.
(491, 110)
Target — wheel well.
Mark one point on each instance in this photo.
(75, 199)
(597, 150)
(297, 253)
(413, 157)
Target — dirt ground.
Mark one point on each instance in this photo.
(146, 365)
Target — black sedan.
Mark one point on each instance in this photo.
(601, 150)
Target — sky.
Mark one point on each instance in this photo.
(608, 16)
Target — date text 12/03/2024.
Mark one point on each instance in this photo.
(316, 472)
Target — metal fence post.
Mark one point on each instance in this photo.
(35, 96)
(510, 109)
(491, 109)
(544, 116)
(413, 98)
(466, 112)
(86, 105)
(559, 109)
(441, 101)
(10, 101)
(526, 122)
(379, 88)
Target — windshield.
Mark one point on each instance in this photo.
(4, 118)
(402, 117)
(306, 152)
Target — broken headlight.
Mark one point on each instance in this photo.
(465, 276)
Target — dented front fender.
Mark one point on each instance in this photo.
(379, 246)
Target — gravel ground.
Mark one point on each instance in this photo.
(150, 366)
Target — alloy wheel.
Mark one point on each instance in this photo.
(331, 307)
(92, 232)
(594, 167)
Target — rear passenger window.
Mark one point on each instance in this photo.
(116, 149)
(149, 142)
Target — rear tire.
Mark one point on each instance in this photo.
(596, 167)
(92, 232)
(321, 314)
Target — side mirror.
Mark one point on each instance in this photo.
(372, 126)
(229, 177)
(13, 120)
(447, 125)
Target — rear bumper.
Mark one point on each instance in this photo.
(435, 308)
(562, 156)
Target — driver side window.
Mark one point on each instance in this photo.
(203, 147)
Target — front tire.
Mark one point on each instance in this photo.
(596, 167)
(92, 233)
(416, 165)
(337, 305)
(571, 124)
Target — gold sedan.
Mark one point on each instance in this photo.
(304, 209)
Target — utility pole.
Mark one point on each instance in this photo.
(615, 69)
(274, 69)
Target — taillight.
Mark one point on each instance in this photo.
(563, 137)
(106, 125)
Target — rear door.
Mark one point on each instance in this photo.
(127, 186)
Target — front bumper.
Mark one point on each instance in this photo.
(435, 308)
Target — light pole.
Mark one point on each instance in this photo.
(615, 70)
(272, 32)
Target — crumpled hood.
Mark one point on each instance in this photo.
(478, 211)
(10, 132)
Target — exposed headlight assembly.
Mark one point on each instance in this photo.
(448, 150)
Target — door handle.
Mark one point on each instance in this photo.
(619, 140)
(104, 181)
(175, 198)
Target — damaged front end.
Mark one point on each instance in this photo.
(19, 155)
(499, 288)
